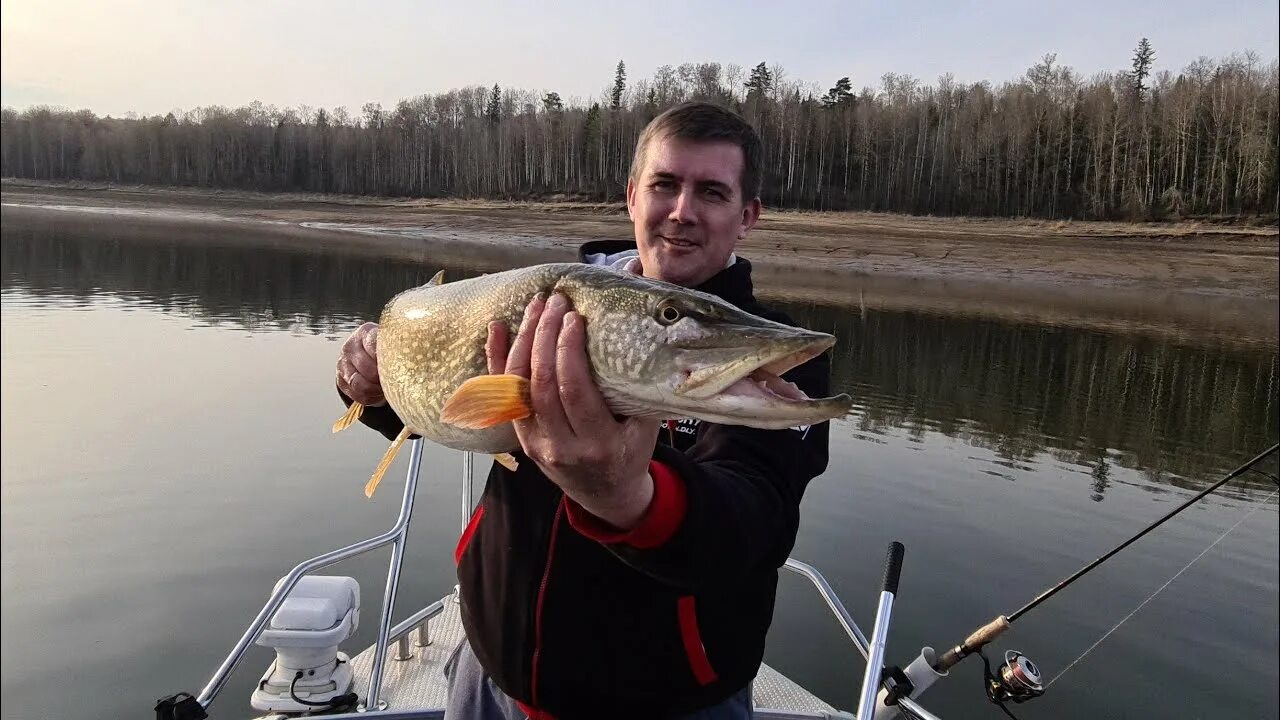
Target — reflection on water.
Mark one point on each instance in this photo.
(261, 289)
(1174, 412)
(167, 403)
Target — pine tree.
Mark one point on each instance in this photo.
(494, 108)
(1142, 59)
(760, 82)
(841, 93)
(591, 125)
(619, 86)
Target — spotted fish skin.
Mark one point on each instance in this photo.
(655, 349)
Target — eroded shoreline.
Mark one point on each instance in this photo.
(1188, 282)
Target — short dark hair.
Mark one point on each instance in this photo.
(706, 122)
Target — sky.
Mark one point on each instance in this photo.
(151, 57)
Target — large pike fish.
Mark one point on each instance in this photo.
(655, 349)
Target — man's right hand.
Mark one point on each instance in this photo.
(358, 367)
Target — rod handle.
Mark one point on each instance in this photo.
(893, 567)
(976, 640)
(985, 634)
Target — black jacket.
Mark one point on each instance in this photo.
(672, 616)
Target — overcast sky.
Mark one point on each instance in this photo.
(154, 56)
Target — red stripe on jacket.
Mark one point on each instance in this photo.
(660, 521)
(687, 612)
(470, 530)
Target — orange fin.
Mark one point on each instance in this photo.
(385, 463)
(506, 460)
(488, 400)
(352, 415)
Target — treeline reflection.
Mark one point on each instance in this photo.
(1177, 412)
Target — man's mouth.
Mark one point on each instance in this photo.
(678, 242)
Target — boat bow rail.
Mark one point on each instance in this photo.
(374, 705)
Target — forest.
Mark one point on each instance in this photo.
(1133, 144)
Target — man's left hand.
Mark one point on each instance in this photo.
(600, 462)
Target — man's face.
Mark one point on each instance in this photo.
(688, 209)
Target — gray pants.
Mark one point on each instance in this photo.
(474, 696)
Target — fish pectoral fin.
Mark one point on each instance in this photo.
(487, 400)
(506, 460)
(385, 463)
(352, 415)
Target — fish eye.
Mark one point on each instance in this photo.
(668, 313)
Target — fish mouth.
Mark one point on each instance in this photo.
(758, 373)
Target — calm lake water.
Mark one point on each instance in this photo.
(167, 398)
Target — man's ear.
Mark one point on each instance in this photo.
(631, 197)
(750, 216)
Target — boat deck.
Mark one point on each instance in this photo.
(413, 686)
(419, 682)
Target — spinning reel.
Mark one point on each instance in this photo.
(1018, 680)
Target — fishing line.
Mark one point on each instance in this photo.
(1143, 604)
(1079, 573)
(1268, 475)
(990, 631)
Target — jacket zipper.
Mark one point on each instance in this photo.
(542, 592)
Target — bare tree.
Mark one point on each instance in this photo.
(1141, 142)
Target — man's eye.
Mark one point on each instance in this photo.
(712, 192)
(664, 185)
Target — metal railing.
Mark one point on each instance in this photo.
(912, 709)
(824, 589)
(395, 536)
(420, 620)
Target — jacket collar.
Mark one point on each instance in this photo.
(733, 284)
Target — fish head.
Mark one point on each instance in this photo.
(661, 350)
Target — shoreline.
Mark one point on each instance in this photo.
(1189, 281)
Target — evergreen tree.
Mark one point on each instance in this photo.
(619, 86)
(493, 110)
(760, 82)
(1142, 59)
(841, 93)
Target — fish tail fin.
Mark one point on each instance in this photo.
(488, 400)
(506, 460)
(350, 416)
(385, 463)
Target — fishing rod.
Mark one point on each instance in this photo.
(1019, 679)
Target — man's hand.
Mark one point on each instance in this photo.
(358, 367)
(601, 463)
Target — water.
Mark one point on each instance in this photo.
(167, 396)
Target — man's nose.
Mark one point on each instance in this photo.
(683, 210)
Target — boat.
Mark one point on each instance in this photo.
(308, 616)
(401, 676)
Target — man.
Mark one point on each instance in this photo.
(628, 568)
